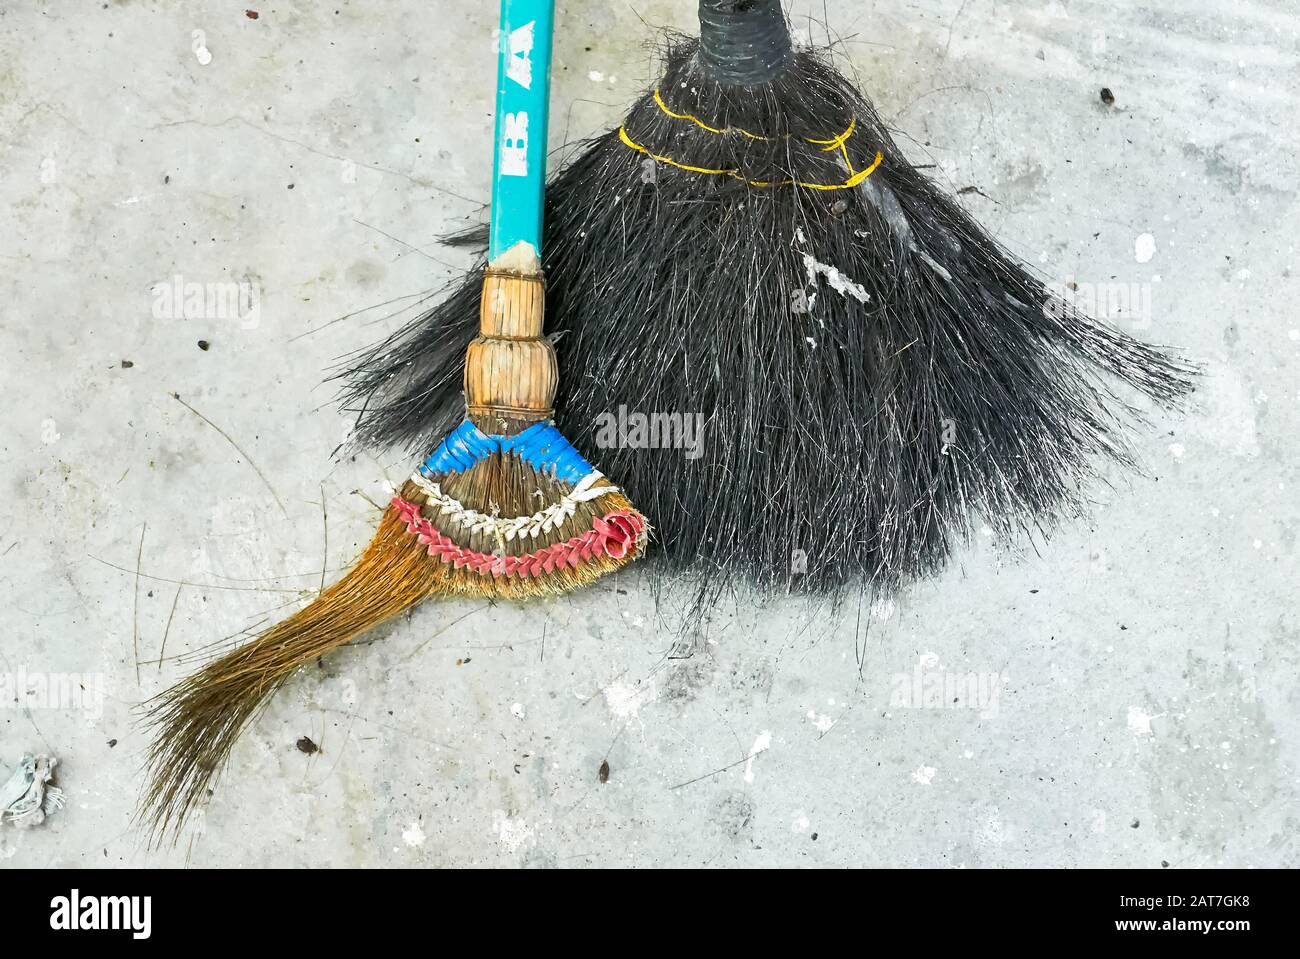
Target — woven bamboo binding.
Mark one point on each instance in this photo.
(510, 370)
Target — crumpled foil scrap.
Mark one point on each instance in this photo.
(27, 797)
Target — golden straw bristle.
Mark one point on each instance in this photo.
(197, 722)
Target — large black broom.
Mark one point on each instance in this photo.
(874, 374)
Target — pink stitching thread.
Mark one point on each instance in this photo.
(614, 535)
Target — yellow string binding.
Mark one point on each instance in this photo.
(836, 143)
(853, 180)
(833, 144)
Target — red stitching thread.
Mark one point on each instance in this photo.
(614, 535)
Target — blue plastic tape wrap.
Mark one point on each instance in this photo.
(541, 446)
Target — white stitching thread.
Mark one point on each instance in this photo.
(440, 503)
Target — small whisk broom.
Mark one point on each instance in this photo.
(877, 377)
(504, 507)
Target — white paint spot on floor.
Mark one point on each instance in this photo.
(1139, 721)
(882, 609)
(626, 700)
(1230, 420)
(200, 47)
(1294, 336)
(413, 835)
(924, 775)
(1145, 248)
(1178, 450)
(761, 745)
(800, 823)
(820, 721)
(991, 832)
(517, 710)
(595, 76)
(511, 833)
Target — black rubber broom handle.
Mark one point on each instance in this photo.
(745, 42)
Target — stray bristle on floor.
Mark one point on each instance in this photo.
(509, 526)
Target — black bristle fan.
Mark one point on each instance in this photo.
(875, 375)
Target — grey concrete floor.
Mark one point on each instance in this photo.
(1135, 696)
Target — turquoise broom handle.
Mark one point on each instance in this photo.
(523, 99)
